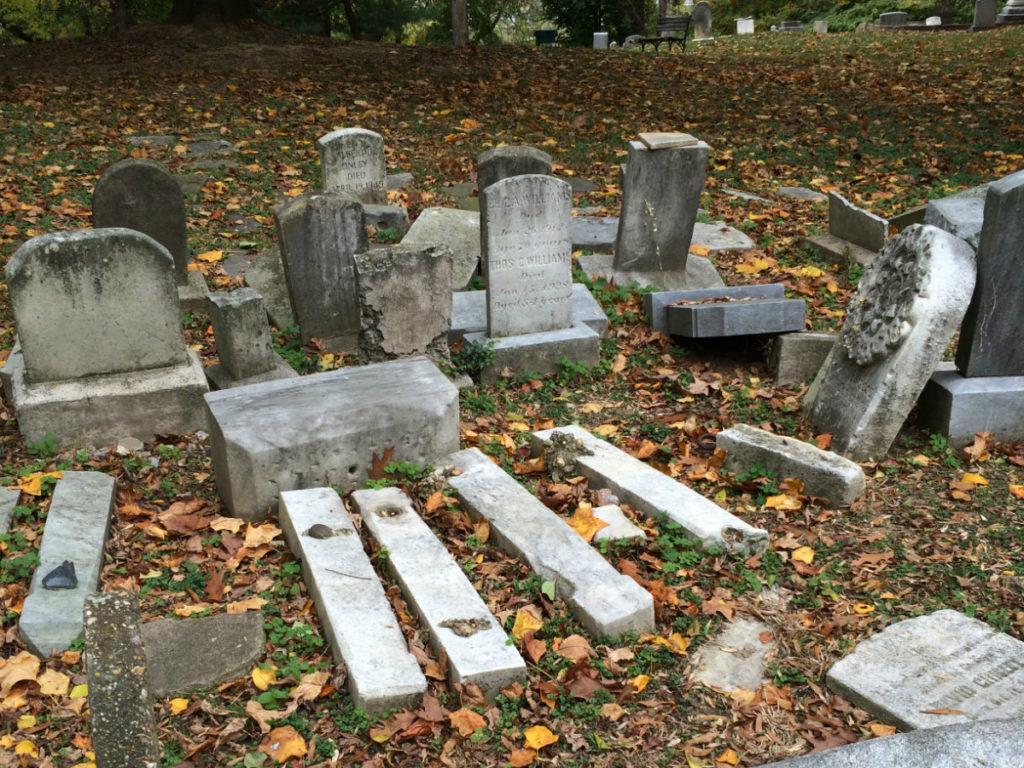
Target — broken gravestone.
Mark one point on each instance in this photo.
(504, 162)
(243, 341)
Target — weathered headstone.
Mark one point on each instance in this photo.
(100, 355)
(702, 21)
(352, 160)
(457, 230)
(745, 26)
(934, 670)
(933, 21)
(905, 312)
(144, 196)
(856, 225)
(501, 163)
(985, 14)
(601, 41)
(893, 19)
(820, 27)
(124, 732)
(791, 26)
(265, 274)
(795, 358)
(1013, 12)
(724, 314)
(320, 234)
(962, 214)
(405, 295)
(243, 341)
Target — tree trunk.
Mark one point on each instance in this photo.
(352, 19)
(212, 11)
(460, 24)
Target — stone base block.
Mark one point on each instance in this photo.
(192, 295)
(469, 312)
(957, 407)
(540, 353)
(795, 358)
(656, 304)
(699, 273)
(100, 410)
(221, 379)
(741, 317)
(394, 218)
(832, 247)
(597, 234)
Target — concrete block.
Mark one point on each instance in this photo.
(797, 357)
(656, 304)
(619, 528)
(461, 627)
(832, 247)
(450, 228)
(855, 225)
(540, 353)
(325, 429)
(189, 654)
(605, 601)
(357, 618)
(649, 491)
(823, 473)
(959, 215)
(76, 530)
(243, 341)
(957, 407)
(747, 317)
(393, 218)
(8, 501)
(469, 312)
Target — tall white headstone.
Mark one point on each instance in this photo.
(745, 26)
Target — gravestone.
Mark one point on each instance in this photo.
(962, 214)
(144, 196)
(601, 41)
(100, 354)
(1013, 12)
(855, 225)
(893, 19)
(124, 732)
(243, 341)
(504, 162)
(702, 21)
(745, 26)
(984, 14)
(791, 26)
(8, 501)
(320, 233)
(933, 21)
(939, 669)
(352, 160)
(734, 660)
(820, 27)
(456, 230)
(904, 314)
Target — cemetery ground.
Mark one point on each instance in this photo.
(889, 120)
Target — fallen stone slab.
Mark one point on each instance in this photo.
(750, 197)
(831, 247)
(605, 601)
(734, 660)
(960, 216)
(795, 358)
(856, 225)
(802, 193)
(124, 732)
(326, 429)
(461, 627)
(452, 228)
(188, 654)
(655, 494)
(914, 215)
(823, 473)
(153, 140)
(266, 275)
(8, 501)
(957, 406)
(400, 180)
(539, 353)
(357, 618)
(699, 272)
(76, 530)
(716, 236)
(727, 316)
(469, 312)
(619, 528)
(211, 148)
(656, 304)
(390, 218)
(991, 744)
(938, 669)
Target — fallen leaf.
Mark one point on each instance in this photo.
(264, 678)
(1017, 490)
(258, 535)
(177, 706)
(880, 729)
(210, 257)
(584, 522)
(640, 682)
(466, 721)
(803, 555)
(24, 666)
(574, 648)
(310, 685)
(539, 736)
(230, 524)
(612, 711)
(782, 501)
(520, 757)
(973, 478)
(53, 683)
(526, 621)
(283, 743)
(729, 757)
(33, 484)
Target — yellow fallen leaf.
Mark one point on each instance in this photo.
(783, 501)
(24, 666)
(526, 621)
(1017, 490)
(863, 609)
(810, 272)
(26, 721)
(79, 691)
(973, 478)
(466, 721)
(26, 748)
(6, 741)
(53, 683)
(178, 706)
(33, 484)
(729, 757)
(803, 555)
(592, 408)
(920, 460)
(211, 256)
(880, 729)
(619, 363)
(693, 762)
(606, 430)
(264, 678)
(189, 610)
(230, 524)
(754, 266)
(699, 250)
(640, 682)
(584, 522)
(539, 736)
(678, 644)
(284, 743)
(518, 758)
(257, 535)
(249, 604)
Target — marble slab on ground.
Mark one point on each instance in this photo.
(469, 312)
(802, 193)
(619, 527)
(938, 669)
(795, 358)
(734, 659)
(735, 317)
(656, 303)
(835, 248)
(597, 235)
(698, 273)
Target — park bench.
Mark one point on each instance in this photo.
(672, 30)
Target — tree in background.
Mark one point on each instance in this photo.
(579, 19)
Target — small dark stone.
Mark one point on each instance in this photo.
(320, 531)
(61, 577)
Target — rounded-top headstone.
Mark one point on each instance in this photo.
(352, 160)
(144, 196)
(702, 20)
(504, 162)
(94, 302)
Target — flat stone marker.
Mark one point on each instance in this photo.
(357, 618)
(856, 225)
(655, 494)
(469, 312)
(893, 19)
(904, 314)
(320, 235)
(823, 473)
(325, 429)
(990, 335)
(656, 303)
(934, 670)
(539, 354)
(713, 317)
(124, 732)
(801, 193)
(119, 366)
(352, 160)
(76, 530)
(796, 358)
(500, 163)
(219, 648)
(528, 253)
(243, 341)
(735, 658)
(745, 26)
(8, 501)
(655, 140)
(619, 528)
(991, 744)
(462, 629)
(454, 229)
(958, 407)
(605, 601)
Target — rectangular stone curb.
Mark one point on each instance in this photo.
(8, 501)
(325, 429)
(656, 304)
(736, 318)
(957, 407)
(357, 618)
(461, 626)
(856, 225)
(76, 530)
(832, 247)
(541, 353)
(605, 601)
(655, 494)
(469, 312)
(823, 473)
(797, 357)
(124, 732)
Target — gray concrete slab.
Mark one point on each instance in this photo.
(540, 353)
(469, 312)
(958, 407)
(734, 659)
(743, 317)
(656, 303)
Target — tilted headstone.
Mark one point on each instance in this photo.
(528, 250)
(855, 225)
(352, 160)
(319, 235)
(243, 340)
(745, 26)
(702, 21)
(504, 162)
(904, 314)
(985, 14)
